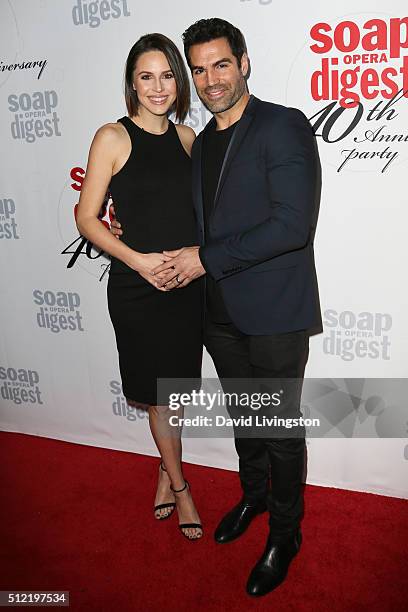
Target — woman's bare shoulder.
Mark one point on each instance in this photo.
(111, 133)
(110, 140)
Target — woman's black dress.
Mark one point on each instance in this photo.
(158, 334)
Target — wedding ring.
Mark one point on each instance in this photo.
(177, 279)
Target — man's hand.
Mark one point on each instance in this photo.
(183, 267)
(115, 225)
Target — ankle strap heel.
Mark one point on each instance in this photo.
(182, 489)
(184, 526)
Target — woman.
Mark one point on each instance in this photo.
(144, 161)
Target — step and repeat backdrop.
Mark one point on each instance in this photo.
(345, 65)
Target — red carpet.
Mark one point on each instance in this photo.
(79, 518)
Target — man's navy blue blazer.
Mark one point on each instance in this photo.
(259, 246)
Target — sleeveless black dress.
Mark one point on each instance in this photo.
(158, 334)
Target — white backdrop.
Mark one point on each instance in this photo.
(61, 68)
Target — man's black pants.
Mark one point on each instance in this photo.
(270, 469)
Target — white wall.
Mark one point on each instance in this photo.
(359, 242)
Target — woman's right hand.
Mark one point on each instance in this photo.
(144, 263)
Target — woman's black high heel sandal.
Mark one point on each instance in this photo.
(188, 525)
(169, 505)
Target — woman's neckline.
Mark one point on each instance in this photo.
(147, 131)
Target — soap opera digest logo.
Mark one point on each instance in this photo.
(349, 334)
(34, 115)
(58, 310)
(20, 386)
(8, 225)
(94, 12)
(79, 250)
(356, 71)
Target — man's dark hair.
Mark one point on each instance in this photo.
(208, 29)
(158, 42)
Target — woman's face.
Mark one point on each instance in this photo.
(154, 82)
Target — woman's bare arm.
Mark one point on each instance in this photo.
(106, 147)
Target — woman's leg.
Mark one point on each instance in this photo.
(168, 442)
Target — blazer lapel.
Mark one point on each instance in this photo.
(236, 139)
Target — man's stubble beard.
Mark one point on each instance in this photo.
(223, 105)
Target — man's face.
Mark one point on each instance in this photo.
(218, 79)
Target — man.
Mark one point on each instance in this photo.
(255, 182)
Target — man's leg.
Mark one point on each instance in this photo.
(281, 357)
(229, 349)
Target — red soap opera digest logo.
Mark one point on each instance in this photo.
(359, 62)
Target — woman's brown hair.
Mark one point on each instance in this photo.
(158, 42)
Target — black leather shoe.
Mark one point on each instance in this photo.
(272, 567)
(237, 521)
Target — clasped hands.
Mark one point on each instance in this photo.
(176, 269)
(183, 267)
